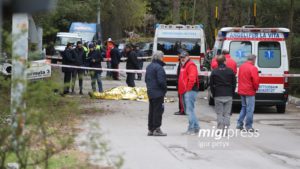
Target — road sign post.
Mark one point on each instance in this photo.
(20, 33)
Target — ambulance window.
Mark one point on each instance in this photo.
(269, 55)
(171, 46)
(239, 51)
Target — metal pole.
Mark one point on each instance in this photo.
(194, 11)
(20, 32)
(216, 21)
(99, 20)
(254, 12)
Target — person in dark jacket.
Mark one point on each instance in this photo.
(180, 101)
(140, 54)
(94, 58)
(79, 55)
(156, 88)
(222, 85)
(115, 57)
(68, 59)
(132, 63)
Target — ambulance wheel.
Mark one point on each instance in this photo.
(211, 101)
(281, 108)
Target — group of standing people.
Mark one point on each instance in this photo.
(73, 57)
(80, 57)
(222, 84)
(188, 87)
(88, 55)
(91, 55)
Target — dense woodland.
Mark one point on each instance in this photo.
(118, 16)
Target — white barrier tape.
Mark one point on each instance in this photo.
(103, 69)
(204, 73)
(104, 59)
(279, 75)
(207, 73)
(139, 58)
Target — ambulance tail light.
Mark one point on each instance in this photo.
(202, 56)
(286, 80)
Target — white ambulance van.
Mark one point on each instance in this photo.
(171, 38)
(269, 45)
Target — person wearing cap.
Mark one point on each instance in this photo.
(188, 87)
(132, 63)
(155, 79)
(79, 55)
(222, 86)
(109, 46)
(67, 59)
(94, 58)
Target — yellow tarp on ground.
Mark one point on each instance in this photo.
(125, 93)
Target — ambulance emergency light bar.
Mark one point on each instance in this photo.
(250, 28)
(179, 26)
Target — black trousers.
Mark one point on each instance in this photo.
(156, 109)
(80, 73)
(67, 80)
(130, 79)
(115, 75)
(141, 68)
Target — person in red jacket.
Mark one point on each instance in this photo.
(230, 63)
(188, 87)
(248, 83)
(109, 46)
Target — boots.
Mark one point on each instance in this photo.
(158, 132)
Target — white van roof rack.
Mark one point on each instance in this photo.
(178, 26)
(247, 29)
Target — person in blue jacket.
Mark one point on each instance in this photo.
(155, 79)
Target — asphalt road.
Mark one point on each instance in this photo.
(124, 127)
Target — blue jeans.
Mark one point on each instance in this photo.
(189, 99)
(96, 76)
(248, 105)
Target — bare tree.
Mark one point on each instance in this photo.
(176, 11)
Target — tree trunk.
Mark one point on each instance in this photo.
(225, 13)
(240, 12)
(176, 11)
(291, 23)
(209, 19)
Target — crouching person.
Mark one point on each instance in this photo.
(222, 85)
(156, 88)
